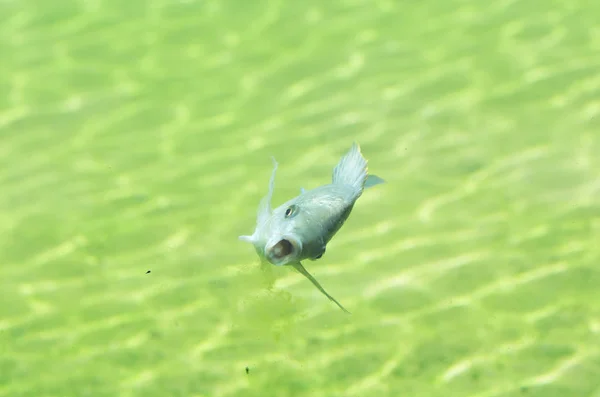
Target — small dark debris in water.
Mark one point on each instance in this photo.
(148, 272)
(247, 370)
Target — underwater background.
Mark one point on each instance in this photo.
(135, 145)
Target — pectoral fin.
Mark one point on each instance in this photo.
(373, 180)
(320, 254)
(298, 266)
(248, 239)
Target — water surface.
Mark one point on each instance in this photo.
(135, 144)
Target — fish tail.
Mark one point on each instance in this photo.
(352, 169)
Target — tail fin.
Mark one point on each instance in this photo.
(352, 169)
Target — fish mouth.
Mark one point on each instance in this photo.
(282, 251)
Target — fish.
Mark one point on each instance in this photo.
(300, 228)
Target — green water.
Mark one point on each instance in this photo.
(136, 136)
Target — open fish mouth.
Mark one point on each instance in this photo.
(283, 250)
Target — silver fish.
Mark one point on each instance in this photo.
(300, 228)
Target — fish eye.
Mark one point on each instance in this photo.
(291, 211)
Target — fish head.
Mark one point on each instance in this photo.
(279, 236)
(283, 240)
(278, 249)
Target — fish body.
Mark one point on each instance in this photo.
(300, 228)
